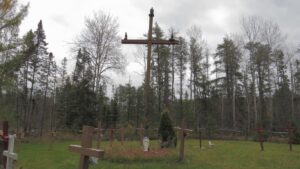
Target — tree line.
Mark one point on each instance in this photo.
(250, 80)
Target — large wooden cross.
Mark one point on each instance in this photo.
(86, 150)
(182, 134)
(149, 42)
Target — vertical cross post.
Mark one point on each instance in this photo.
(111, 137)
(9, 154)
(99, 134)
(122, 135)
(182, 134)
(141, 133)
(86, 150)
(290, 130)
(149, 42)
(200, 137)
(260, 132)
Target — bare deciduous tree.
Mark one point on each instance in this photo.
(100, 39)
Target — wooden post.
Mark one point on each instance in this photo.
(122, 135)
(111, 137)
(290, 130)
(86, 150)
(183, 133)
(261, 140)
(11, 156)
(52, 135)
(200, 137)
(99, 135)
(141, 133)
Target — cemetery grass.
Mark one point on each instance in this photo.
(225, 155)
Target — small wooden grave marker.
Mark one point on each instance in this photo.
(4, 139)
(122, 135)
(86, 150)
(260, 132)
(200, 136)
(99, 134)
(290, 130)
(183, 133)
(111, 136)
(11, 156)
(52, 135)
(141, 133)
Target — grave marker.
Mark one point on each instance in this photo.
(183, 133)
(141, 133)
(86, 150)
(260, 132)
(4, 140)
(99, 134)
(9, 154)
(290, 130)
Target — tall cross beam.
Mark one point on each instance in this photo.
(149, 42)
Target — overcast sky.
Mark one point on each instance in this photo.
(64, 19)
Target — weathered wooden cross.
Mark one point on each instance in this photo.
(4, 140)
(122, 135)
(290, 130)
(9, 154)
(111, 136)
(99, 135)
(141, 133)
(85, 149)
(149, 42)
(260, 133)
(52, 135)
(200, 136)
(183, 133)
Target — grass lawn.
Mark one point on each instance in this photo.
(225, 155)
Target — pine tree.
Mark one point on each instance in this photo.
(181, 54)
(229, 56)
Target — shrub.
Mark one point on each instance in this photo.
(166, 131)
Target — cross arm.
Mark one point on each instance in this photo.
(86, 151)
(186, 130)
(11, 155)
(144, 41)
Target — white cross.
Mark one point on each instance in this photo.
(11, 156)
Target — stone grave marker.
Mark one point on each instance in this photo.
(146, 144)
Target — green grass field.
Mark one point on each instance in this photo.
(225, 155)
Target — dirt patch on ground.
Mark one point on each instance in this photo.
(139, 153)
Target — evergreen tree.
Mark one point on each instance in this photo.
(166, 131)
